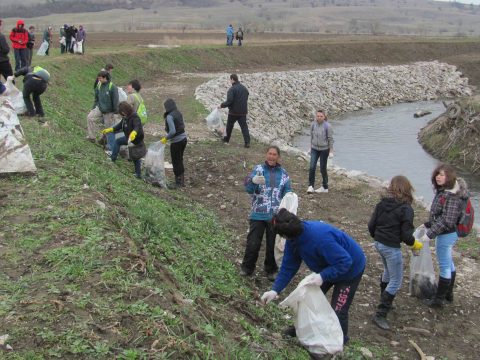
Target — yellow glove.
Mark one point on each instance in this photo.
(132, 136)
(417, 245)
(107, 130)
(163, 140)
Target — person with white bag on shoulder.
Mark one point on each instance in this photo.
(335, 258)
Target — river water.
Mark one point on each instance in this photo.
(383, 142)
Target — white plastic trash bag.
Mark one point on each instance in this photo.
(215, 122)
(78, 47)
(122, 95)
(316, 324)
(154, 165)
(289, 202)
(15, 97)
(42, 50)
(422, 275)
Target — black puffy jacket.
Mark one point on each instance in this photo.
(392, 223)
(128, 124)
(237, 99)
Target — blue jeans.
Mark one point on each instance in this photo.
(229, 40)
(392, 266)
(116, 149)
(314, 156)
(443, 246)
(20, 58)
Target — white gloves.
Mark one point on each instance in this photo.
(330, 155)
(313, 279)
(258, 180)
(269, 296)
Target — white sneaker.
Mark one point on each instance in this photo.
(310, 190)
(321, 190)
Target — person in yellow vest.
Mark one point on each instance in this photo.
(136, 101)
(35, 82)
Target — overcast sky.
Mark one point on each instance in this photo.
(475, 2)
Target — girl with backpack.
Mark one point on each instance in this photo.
(390, 225)
(444, 215)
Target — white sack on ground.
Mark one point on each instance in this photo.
(15, 97)
(289, 202)
(316, 324)
(15, 154)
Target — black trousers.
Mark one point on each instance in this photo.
(342, 297)
(254, 243)
(35, 88)
(6, 69)
(176, 152)
(242, 121)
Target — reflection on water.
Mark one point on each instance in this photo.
(383, 142)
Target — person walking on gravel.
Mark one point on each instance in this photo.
(321, 139)
(237, 103)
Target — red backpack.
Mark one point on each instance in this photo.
(466, 218)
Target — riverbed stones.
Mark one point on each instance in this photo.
(283, 103)
(15, 154)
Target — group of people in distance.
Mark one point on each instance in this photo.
(232, 34)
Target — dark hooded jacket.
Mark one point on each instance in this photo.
(19, 36)
(171, 110)
(128, 124)
(392, 223)
(4, 49)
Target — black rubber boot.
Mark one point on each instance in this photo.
(439, 299)
(182, 180)
(449, 294)
(380, 318)
(383, 286)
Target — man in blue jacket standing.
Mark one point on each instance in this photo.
(335, 257)
(267, 184)
(230, 31)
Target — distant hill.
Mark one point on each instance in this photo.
(399, 17)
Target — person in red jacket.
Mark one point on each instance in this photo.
(19, 38)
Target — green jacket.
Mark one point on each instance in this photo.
(106, 97)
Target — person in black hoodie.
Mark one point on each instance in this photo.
(133, 131)
(390, 225)
(175, 128)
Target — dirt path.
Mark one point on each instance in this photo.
(215, 175)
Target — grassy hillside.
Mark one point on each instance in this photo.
(400, 17)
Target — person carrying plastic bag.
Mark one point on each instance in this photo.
(337, 260)
(316, 324)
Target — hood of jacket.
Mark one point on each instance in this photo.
(460, 188)
(169, 105)
(20, 22)
(389, 204)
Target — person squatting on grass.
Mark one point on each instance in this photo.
(237, 103)
(334, 256)
(104, 108)
(267, 183)
(321, 140)
(133, 135)
(5, 66)
(442, 224)
(390, 225)
(35, 82)
(19, 39)
(175, 129)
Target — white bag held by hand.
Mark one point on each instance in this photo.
(422, 275)
(42, 50)
(215, 122)
(289, 202)
(78, 47)
(154, 165)
(316, 324)
(15, 96)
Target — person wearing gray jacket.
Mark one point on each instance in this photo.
(321, 140)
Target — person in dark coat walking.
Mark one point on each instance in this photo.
(237, 103)
(390, 225)
(175, 129)
(5, 66)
